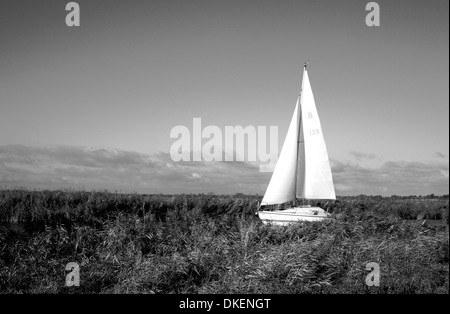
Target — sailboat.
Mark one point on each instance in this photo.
(303, 169)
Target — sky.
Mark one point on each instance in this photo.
(93, 106)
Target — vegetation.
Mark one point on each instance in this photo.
(216, 244)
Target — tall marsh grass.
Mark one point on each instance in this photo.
(215, 244)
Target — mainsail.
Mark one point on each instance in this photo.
(314, 179)
(303, 169)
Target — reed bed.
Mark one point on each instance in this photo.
(129, 243)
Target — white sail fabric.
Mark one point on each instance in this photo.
(314, 180)
(281, 187)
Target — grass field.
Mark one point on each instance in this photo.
(216, 244)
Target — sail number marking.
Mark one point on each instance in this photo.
(314, 132)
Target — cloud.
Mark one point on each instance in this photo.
(112, 169)
(103, 168)
(361, 155)
(392, 177)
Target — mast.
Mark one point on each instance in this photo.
(298, 137)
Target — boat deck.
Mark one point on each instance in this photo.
(289, 215)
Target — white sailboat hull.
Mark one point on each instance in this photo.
(292, 215)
